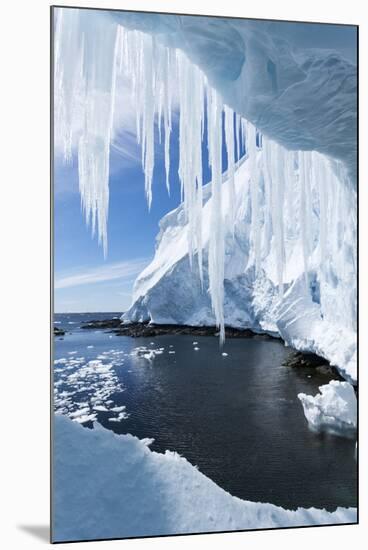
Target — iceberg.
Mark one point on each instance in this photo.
(333, 410)
(144, 493)
(308, 299)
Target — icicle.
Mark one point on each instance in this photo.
(68, 78)
(319, 168)
(191, 100)
(303, 214)
(229, 140)
(308, 198)
(237, 136)
(243, 132)
(200, 87)
(216, 245)
(254, 186)
(167, 114)
(148, 116)
(290, 190)
(277, 197)
(85, 66)
(265, 171)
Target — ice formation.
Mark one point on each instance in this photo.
(295, 193)
(333, 410)
(315, 309)
(82, 388)
(143, 493)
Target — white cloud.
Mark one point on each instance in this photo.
(107, 272)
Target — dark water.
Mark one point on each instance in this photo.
(236, 417)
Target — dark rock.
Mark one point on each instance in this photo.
(301, 359)
(150, 330)
(102, 324)
(313, 363)
(58, 331)
(325, 370)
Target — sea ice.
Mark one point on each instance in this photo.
(121, 416)
(333, 410)
(118, 409)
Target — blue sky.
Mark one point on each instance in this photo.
(84, 280)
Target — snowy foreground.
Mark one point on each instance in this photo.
(333, 410)
(108, 485)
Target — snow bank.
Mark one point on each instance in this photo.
(106, 485)
(333, 410)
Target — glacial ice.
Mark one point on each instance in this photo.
(333, 410)
(318, 317)
(144, 493)
(275, 237)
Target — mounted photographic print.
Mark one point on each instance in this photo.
(204, 183)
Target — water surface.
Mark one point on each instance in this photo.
(236, 417)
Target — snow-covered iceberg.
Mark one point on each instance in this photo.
(334, 410)
(315, 312)
(109, 486)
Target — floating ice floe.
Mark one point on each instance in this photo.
(121, 416)
(118, 409)
(146, 353)
(61, 361)
(224, 354)
(195, 348)
(334, 410)
(93, 382)
(100, 408)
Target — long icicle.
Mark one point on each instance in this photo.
(229, 140)
(216, 246)
(254, 187)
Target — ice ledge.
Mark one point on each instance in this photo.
(144, 493)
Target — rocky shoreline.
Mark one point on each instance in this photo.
(296, 359)
(141, 330)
